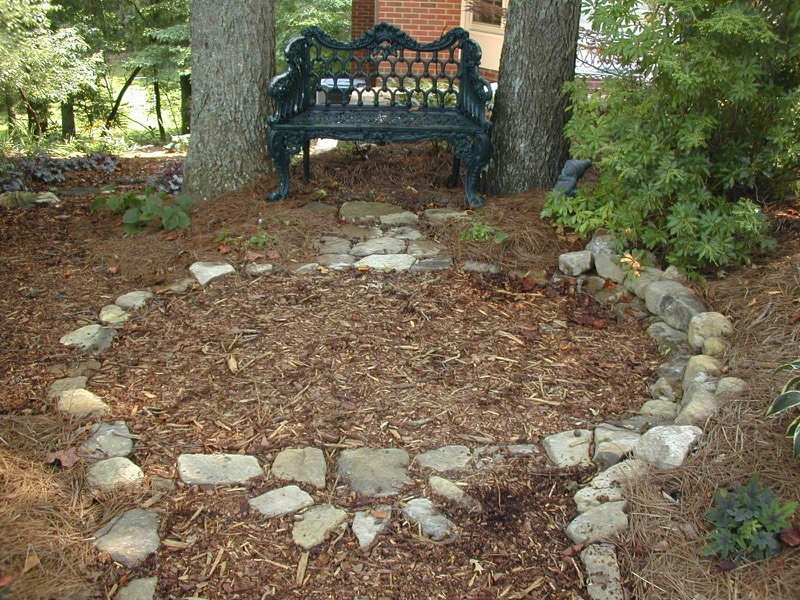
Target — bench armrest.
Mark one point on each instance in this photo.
(475, 89)
(290, 89)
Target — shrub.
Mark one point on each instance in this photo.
(789, 398)
(700, 129)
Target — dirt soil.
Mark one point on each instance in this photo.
(333, 360)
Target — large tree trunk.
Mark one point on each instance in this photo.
(528, 144)
(186, 104)
(68, 119)
(232, 61)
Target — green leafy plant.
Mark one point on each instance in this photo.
(788, 399)
(748, 520)
(481, 231)
(147, 208)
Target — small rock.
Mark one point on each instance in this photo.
(368, 525)
(602, 568)
(133, 300)
(179, 286)
(422, 249)
(590, 497)
(708, 325)
(522, 449)
(208, 272)
(317, 525)
(130, 538)
(321, 208)
(666, 389)
(432, 264)
(731, 386)
(398, 219)
(93, 338)
(593, 284)
(674, 368)
(138, 589)
(660, 410)
(575, 263)
(337, 262)
(108, 440)
(673, 274)
(701, 367)
(433, 524)
(386, 262)
(306, 269)
(600, 243)
(638, 284)
(256, 269)
(612, 444)
(305, 465)
(669, 341)
(113, 473)
(474, 266)
(405, 233)
(620, 473)
(714, 346)
(667, 446)
(446, 458)
(80, 403)
(112, 314)
(282, 501)
(375, 471)
(444, 488)
(440, 215)
(599, 523)
(699, 405)
(66, 384)
(217, 469)
(333, 245)
(366, 212)
(566, 449)
(384, 245)
(359, 232)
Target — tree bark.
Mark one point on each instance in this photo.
(162, 133)
(186, 104)
(68, 119)
(112, 116)
(232, 61)
(530, 110)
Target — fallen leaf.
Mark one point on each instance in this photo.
(253, 256)
(302, 564)
(610, 285)
(225, 248)
(66, 458)
(233, 365)
(791, 537)
(273, 255)
(727, 565)
(5, 580)
(31, 561)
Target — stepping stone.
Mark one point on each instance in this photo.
(113, 315)
(384, 245)
(375, 471)
(369, 524)
(569, 448)
(133, 300)
(401, 218)
(612, 444)
(306, 269)
(359, 232)
(440, 215)
(421, 249)
(138, 589)
(66, 384)
(217, 469)
(432, 264)
(602, 568)
(405, 233)
(130, 538)
(337, 262)
(599, 523)
(366, 212)
(444, 488)
(433, 523)
(446, 458)
(333, 245)
(317, 525)
(474, 266)
(258, 269)
(305, 465)
(113, 473)
(321, 208)
(283, 501)
(108, 440)
(386, 262)
(93, 338)
(82, 403)
(208, 272)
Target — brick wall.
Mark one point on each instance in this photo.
(363, 17)
(424, 21)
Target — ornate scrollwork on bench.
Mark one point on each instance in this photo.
(383, 87)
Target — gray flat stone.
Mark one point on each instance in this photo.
(674, 303)
(130, 538)
(599, 523)
(138, 589)
(375, 471)
(321, 208)
(522, 449)
(446, 458)
(217, 469)
(112, 474)
(432, 264)
(612, 444)
(65, 384)
(82, 403)
(474, 266)
(306, 269)
(366, 212)
(383, 245)
(440, 215)
(667, 446)
(108, 440)
(282, 501)
(575, 263)
(368, 525)
(133, 300)
(386, 262)
(569, 448)
(405, 233)
(256, 269)
(333, 245)
(602, 568)
(304, 465)
(359, 232)
(433, 523)
(398, 219)
(208, 272)
(421, 249)
(317, 525)
(112, 314)
(337, 262)
(449, 490)
(93, 338)
(590, 497)
(607, 266)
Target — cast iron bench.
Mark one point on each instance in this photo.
(383, 87)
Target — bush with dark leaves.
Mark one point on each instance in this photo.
(169, 179)
(16, 173)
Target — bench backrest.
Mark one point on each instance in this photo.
(384, 67)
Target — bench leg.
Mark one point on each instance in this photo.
(280, 156)
(306, 162)
(475, 162)
(453, 181)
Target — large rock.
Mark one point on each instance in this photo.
(590, 497)
(108, 440)
(699, 405)
(421, 249)
(337, 262)
(369, 524)
(569, 448)
(620, 474)
(93, 338)
(410, 234)
(575, 263)
(398, 219)
(112, 474)
(612, 444)
(598, 524)
(111, 314)
(333, 245)
(82, 403)
(138, 589)
(316, 525)
(446, 458)
(306, 465)
(133, 300)
(701, 368)
(207, 272)
(660, 410)
(375, 471)
(366, 212)
(130, 538)
(440, 215)
(282, 501)
(383, 245)
(602, 568)
(638, 284)
(667, 446)
(433, 523)
(666, 389)
(217, 469)
(386, 262)
(607, 266)
(730, 387)
(66, 384)
(669, 341)
(674, 303)
(708, 325)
